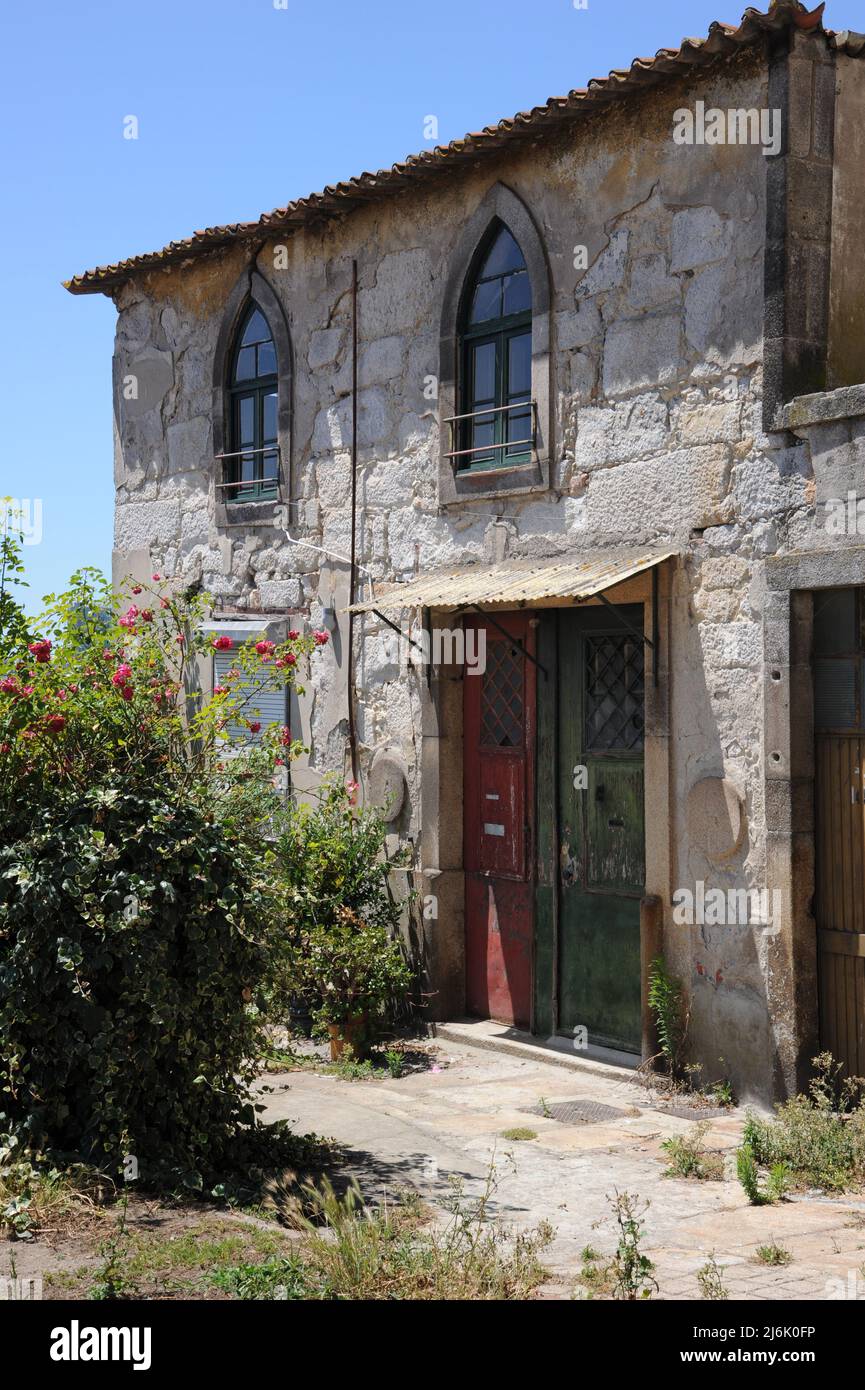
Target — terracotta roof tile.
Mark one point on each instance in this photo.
(335, 199)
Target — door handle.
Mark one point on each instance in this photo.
(600, 792)
(616, 823)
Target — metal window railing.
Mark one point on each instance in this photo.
(249, 489)
(461, 426)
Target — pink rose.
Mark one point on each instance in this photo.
(41, 650)
(321, 637)
(55, 722)
(265, 648)
(293, 635)
(222, 644)
(254, 726)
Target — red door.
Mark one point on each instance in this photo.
(498, 770)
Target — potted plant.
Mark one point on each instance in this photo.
(342, 956)
(359, 972)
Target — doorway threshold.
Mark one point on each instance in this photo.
(555, 1051)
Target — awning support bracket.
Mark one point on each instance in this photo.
(503, 630)
(634, 631)
(396, 627)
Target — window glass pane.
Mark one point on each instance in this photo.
(483, 434)
(518, 293)
(834, 621)
(269, 410)
(487, 301)
(247, 467)
(245, 369)
(504, 255)
(256, 330)
(270, 467)
(519, 426)
(519, 365)
(614, 693)
(246, 420)
(267, 360)
(484, 373)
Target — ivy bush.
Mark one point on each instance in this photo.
(131, 938)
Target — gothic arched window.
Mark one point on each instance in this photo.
(496, 357)
(253, 392)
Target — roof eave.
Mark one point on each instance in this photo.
(723, 40)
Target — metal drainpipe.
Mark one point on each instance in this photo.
(352, 582)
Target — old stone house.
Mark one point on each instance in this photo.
(585, 393)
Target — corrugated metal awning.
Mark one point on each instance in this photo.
(519, 582)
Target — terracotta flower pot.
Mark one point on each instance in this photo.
(351, 1032)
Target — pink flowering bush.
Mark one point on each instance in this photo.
(108, 691)
(137, 912)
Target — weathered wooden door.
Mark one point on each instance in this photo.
(498, 764)
(839, 721)
(601, 853)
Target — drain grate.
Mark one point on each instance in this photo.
(687, 1112)
(578, 1112)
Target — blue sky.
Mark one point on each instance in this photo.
(241, 107)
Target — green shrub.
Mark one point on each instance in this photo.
(666, 1002)
(772, 1254)
(819, 1138)
(748, 1172)
(356, 969)
(689, 1157)
(343, 953)
(711, 1280)
(632, 1271)
(281, 1277)
(128, 939)
(133, 910)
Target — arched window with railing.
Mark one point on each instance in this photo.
(496, 413)
(252, 458)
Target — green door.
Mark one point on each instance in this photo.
(600, 824)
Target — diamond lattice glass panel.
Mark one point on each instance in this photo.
(614, 693)
(502, 697)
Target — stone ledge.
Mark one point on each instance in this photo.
(557, 1052)
(821, 408)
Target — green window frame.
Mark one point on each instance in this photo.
(496, 411)
(253, 411)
